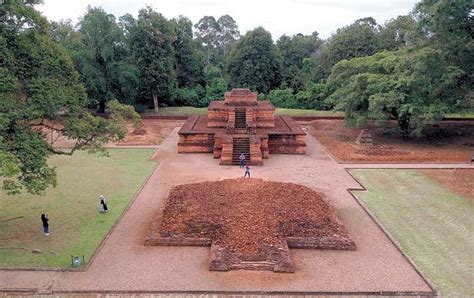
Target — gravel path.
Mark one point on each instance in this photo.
(125, 264)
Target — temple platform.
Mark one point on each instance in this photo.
(241, 125)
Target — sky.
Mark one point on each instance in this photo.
(277, 16)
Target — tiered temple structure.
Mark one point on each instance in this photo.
(241, 124)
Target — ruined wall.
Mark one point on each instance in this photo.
(286, 144)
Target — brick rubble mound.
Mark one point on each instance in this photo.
(251, 223)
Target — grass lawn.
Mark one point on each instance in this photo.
(306, 113)
(188, 111)
(433, 225)
(76, 226)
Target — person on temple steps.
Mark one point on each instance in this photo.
(242, 160)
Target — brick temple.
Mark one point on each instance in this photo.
(241, 124)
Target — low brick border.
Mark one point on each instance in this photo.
(102, 243)
(435, 292)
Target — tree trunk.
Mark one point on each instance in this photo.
(155, 102)
(102, 106)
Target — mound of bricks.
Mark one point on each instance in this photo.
(249, 223)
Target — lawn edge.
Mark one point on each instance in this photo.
(351, 191)
(119, 219)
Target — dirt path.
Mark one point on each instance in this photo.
(125, 264)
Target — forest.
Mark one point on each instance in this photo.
(413, 68)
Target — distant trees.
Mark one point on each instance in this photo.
(152, 61)
(217, 36)
(254, 62)
(293, 51)
(189, 63)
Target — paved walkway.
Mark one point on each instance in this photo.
(124, 264)
(409, 166)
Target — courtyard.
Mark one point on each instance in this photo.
(123, 264)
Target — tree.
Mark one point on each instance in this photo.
(152, 41)
(398, 33)
(293, 51)
(38, 83)
(207, 32)
(449, 27)
(104, 60)
(254, 62)
(356, 40)
(228, 32)
(409, 85)
(189, 64)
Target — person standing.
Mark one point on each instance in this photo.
(45, 221)
(247, 171)
(103, 205)
(242, 160)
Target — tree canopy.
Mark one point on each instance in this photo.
(254, 62)
(408, 85)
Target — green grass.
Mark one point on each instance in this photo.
(468, 115)
(188, 111)
(432, 224)
(303, 112)
(76, 226)
(180, 111)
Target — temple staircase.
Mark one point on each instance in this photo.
(240, 145)
(240, 118)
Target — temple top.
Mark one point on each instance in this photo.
(240, 96)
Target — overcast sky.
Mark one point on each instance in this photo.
(277, 16)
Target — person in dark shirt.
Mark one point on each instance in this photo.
(45, 221)
(247, 171)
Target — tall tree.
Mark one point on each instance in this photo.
(356, 40)
(38, 83)
(228, 32)
(189, 60)
(449, 27)
(152, 41)
(293, 51)
(207, 32)
(104, 63)
(254, 62)
(398, 33)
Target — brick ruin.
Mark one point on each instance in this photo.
(241, 124)
(249, 223)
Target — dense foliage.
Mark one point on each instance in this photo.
(411, 86)
(254, 62)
